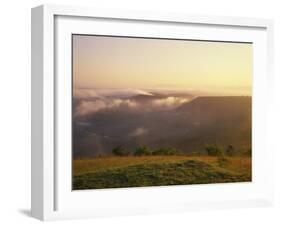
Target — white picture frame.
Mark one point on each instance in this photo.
(52, 198)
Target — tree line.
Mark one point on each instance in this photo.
(210, 149)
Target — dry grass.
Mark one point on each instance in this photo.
(118, 172)
(81, 166)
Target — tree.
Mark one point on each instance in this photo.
(214, 150)
(217, 151)
(142, 150)
(167, 151)
(120, 151)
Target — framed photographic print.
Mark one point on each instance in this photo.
(137, 112)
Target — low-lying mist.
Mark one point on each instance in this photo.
(105, 119)
(90, 101)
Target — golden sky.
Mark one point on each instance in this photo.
(118, 62)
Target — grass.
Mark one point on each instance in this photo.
(131, 171)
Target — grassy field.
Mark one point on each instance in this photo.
(139, 171)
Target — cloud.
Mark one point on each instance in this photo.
(90, 101)
(91, 106)
(86, 107)
(121, 93)
(138, 132)
(171, 102)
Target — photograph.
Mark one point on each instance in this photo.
(150, 111)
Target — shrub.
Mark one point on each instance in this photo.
(167, 151)
(120, 151)
(214, 150)
(230, 150)
(142, 150)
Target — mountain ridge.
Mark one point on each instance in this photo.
(205, 119)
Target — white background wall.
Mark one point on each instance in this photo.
(15, 112)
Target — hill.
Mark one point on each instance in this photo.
(189, 127)
(218, 104)
(116, 172)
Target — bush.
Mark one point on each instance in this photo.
(142, 150)
(120, 151)
(167, 151)
(214, 150)
(230, 150)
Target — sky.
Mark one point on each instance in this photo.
(220, 68)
